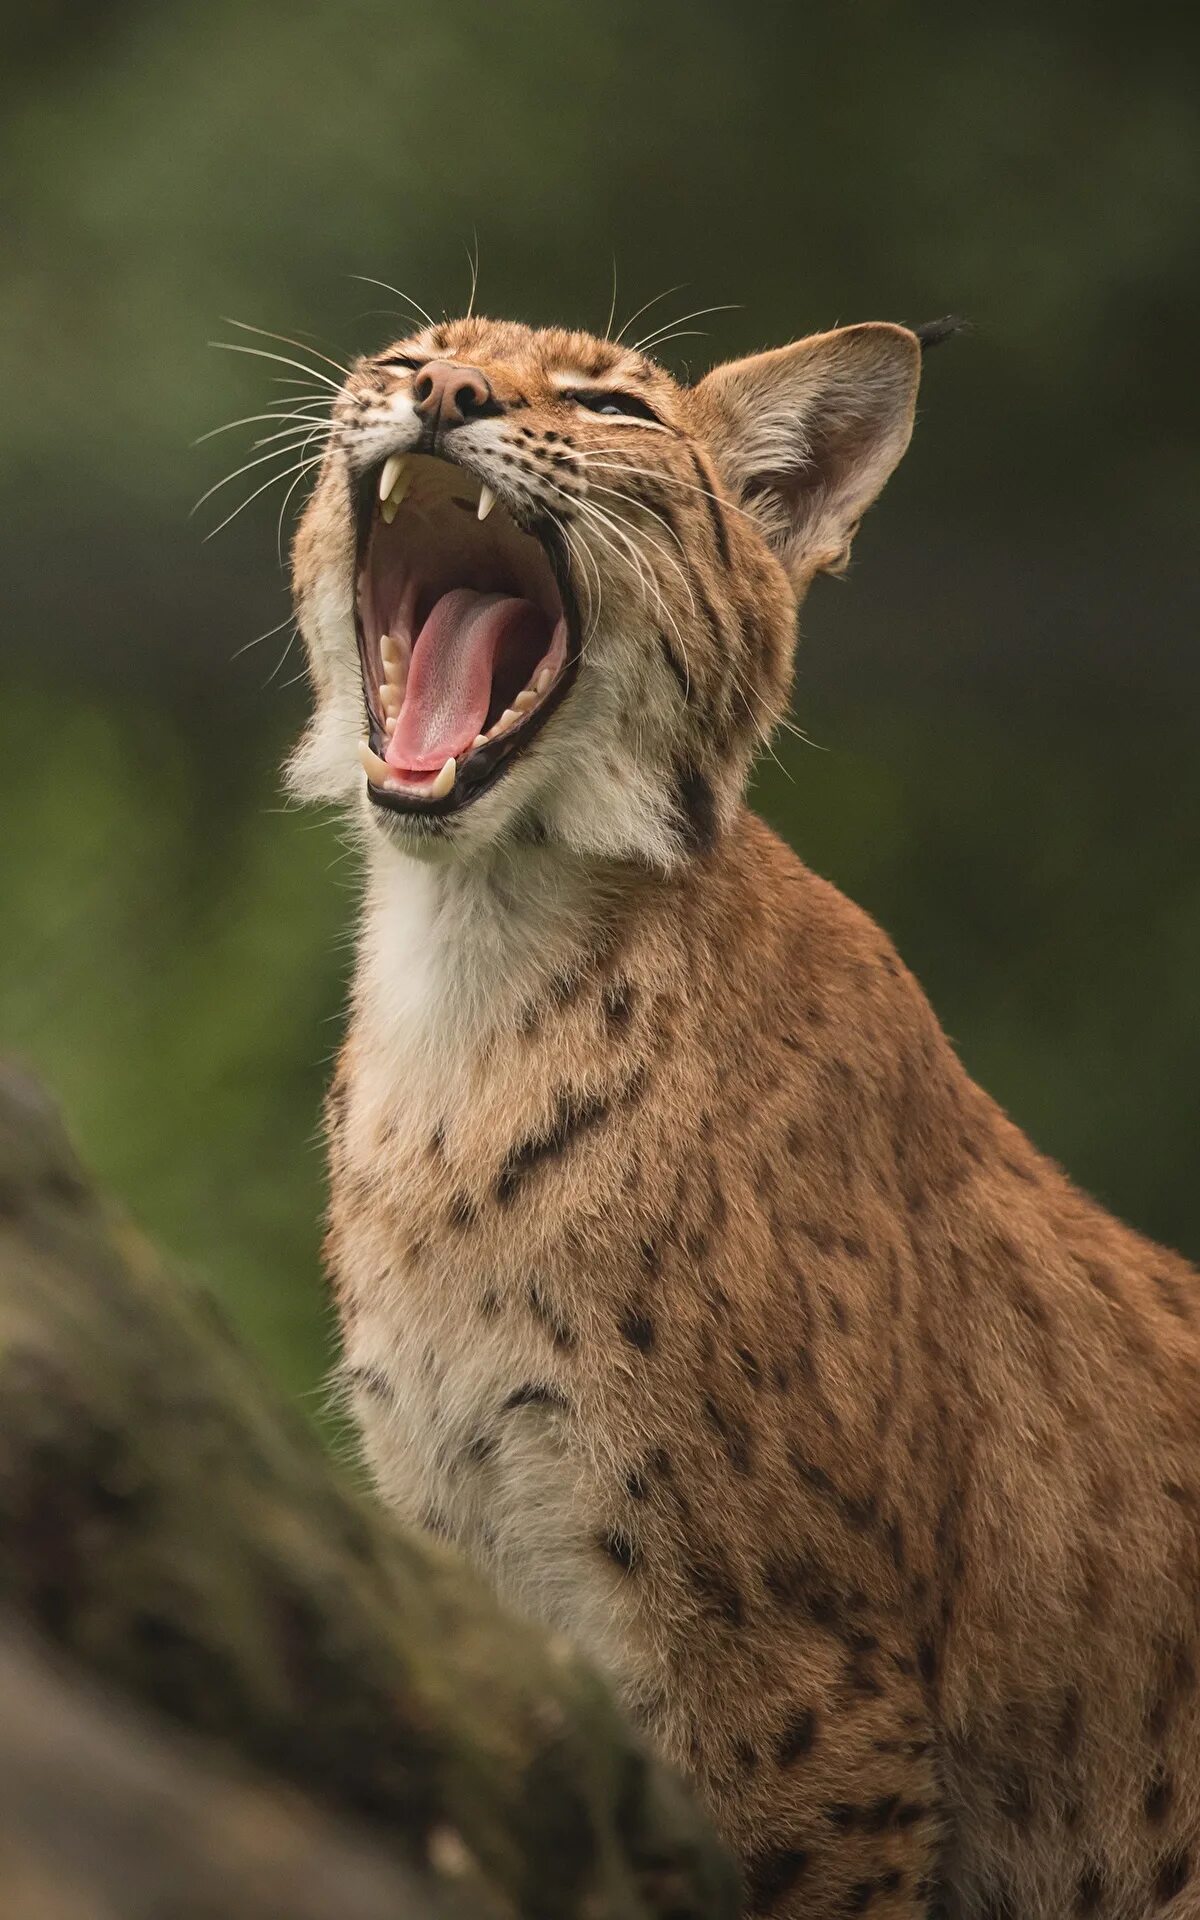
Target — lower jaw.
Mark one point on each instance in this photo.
(483, 768)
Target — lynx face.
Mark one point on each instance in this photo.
(549, 593)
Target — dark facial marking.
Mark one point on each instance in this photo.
(697, 809)
(682, 676)
(716, 512)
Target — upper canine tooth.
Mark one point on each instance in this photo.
(487, 500)
(445, 780)
(393, 466)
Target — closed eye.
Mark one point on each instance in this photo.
(400, 360)
(630, 406)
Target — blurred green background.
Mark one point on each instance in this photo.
(1003, 699)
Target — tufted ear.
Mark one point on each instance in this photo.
(806, 435)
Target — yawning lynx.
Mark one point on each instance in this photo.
(686, 1280)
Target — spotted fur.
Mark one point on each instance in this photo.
(686, 1280)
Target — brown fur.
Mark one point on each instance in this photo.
(713, 1308)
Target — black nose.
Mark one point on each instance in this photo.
(449, 395)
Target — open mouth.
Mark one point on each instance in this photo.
(464, 630)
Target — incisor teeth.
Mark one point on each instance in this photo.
(487, 500)
(525, 701)
(375, 768)
(543, 681)
(444, 781)
(393, 467)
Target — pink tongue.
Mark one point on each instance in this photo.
(449, 685)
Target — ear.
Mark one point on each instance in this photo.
(806, 435)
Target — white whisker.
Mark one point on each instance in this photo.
(273, 481)
(645, 344)
(260, 353)
(369, 281)
(645, 307)
(285, 340)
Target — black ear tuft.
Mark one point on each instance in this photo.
(933, 332)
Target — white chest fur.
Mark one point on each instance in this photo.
(472, 1422)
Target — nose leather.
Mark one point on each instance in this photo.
(448, 395)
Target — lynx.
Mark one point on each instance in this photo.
(686, 1280)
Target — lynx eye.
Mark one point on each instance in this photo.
(404, 361)
(604, 400)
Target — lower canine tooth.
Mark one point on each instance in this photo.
(388, 511)
(376, 770)
(444, 781)
(487, 500)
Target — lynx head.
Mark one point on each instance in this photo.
(549, 593)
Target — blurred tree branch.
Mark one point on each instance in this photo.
(237, 1630)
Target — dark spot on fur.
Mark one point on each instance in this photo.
(1160, 1791)
(712, 1581)
(797, 1737)
(481, 1449)
(745, 1755)
(1173, 1874)
(372, 1382)
(551, 1318)
(635, 1484)
(749, 1366)
(536, 1394)
(574, 1115)
(618, 1004)
(926, 1662)
(733, 1434)
(463, 1211)
(638, 1328)
(621, 1550)
(1089, 1891)
(770, 1875)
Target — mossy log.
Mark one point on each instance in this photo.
(177, 1543)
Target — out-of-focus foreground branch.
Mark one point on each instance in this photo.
(227, 1686)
